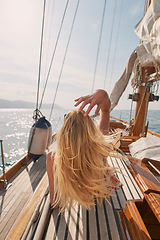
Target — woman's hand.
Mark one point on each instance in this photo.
(99, 98)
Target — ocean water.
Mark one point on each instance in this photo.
(153, 117)
(15, 126)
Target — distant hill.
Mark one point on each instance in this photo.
(23, 104)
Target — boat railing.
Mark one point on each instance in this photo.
(9, 173)
(4, 173)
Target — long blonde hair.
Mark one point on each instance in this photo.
(80, 172)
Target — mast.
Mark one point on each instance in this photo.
(142, 103)
(144, 92)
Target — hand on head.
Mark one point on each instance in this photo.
(99, 98)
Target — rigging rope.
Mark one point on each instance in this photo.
(50, 30)
(40, 59)
(37, 112)
(104, 8)
(137, 78)
(54, 53)
(64, 58)
(131, 109)
(114, 54)
(110, 44)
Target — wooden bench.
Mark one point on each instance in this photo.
(141, 218)
(132, 223)
(143, 176)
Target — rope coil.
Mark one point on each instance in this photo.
(137, 70)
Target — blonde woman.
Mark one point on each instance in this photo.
(78, 169)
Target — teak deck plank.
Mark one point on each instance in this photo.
(13, 216)
(101, 221)
(64, 226)
(27, 180)
(25, 215)
(16, 196)
(20, 186)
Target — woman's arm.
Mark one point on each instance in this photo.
(105, 114)
(101, 99)
(49, 167)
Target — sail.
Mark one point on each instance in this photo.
(148, 31)
(122, 82)
(146, 148)
(148, 51)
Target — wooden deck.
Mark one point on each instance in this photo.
(27, 215)
(13, 200)
(100, 222)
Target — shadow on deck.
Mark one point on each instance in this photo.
(22, 187)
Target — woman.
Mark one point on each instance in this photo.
(78, 170)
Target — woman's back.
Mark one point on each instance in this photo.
(79, 171)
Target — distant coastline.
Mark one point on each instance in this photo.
(23, 104)
(30, 105)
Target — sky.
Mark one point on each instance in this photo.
(20, 38)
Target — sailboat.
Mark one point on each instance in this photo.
(133, 212)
